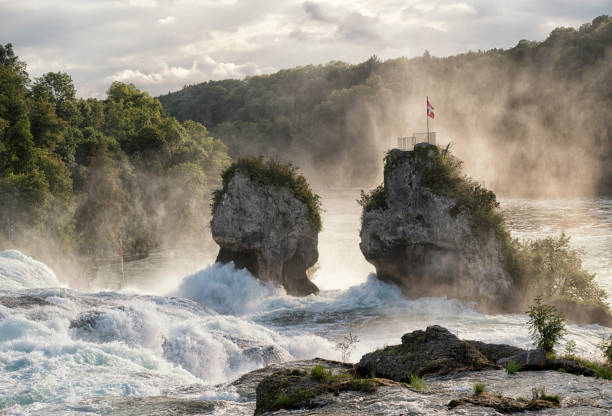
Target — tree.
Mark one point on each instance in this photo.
(547, 326)
(19, 149)
(58, 89)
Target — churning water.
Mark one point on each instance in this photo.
(187, 337)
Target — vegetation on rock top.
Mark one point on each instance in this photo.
(277, 174)
(294, 388)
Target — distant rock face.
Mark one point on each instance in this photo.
(420, 242)
(265, 229)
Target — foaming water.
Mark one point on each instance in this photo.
(588, 223)
(111, 344)
(18, 271)
(191, 335)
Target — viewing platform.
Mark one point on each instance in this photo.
(408, 142)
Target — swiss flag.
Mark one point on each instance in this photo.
(430, 109)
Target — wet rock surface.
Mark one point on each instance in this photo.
(503, 404)
(424, 243)
(25, 301)
(434, 351)
(266, 229)
(495, 352)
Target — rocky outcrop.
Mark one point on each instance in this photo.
(434, 351)
(496, 352)
(526, 360)
(23, 301)
(294, 388)
(425, 239)
(536, 360)
(267, 229)
(504, 404)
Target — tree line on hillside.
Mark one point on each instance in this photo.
(85, 173)
(535, 119)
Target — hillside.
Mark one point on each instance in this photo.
(532, 120)
(80, 175)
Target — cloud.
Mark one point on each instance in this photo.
(162, 44)
(313, 11)
(166, 20)
(171, 77)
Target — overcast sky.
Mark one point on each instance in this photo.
(161, 45)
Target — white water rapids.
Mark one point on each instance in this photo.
(186, 336)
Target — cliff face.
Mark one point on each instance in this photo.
(425, 242)
(266, 229)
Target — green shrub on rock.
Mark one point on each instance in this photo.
(547, 326)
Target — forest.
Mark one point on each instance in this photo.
(84, 176)
(532, 120)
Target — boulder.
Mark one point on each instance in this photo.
(495, 352)
(267, 228)
(504, 404)
(536, 360)
(434, 351)
(425, 239)
(528, 360)
(294, 388)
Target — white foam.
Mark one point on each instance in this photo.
(18, 271)
(130, 345)
(227, 290)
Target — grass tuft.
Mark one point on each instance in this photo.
(416, 382)
(479, 388)
(512, 367)
(320, 374)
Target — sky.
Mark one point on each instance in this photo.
(162, 45)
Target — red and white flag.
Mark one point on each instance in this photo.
(430, 109)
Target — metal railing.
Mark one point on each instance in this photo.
(408, 142)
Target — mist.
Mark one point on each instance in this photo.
(531, 121)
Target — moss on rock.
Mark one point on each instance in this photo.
(295, 389)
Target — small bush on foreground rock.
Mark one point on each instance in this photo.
(347, 345)
(547, 326)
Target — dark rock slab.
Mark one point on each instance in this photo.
(25, 301)
(435, 351)
(535, 360)
(569, 366)
(503, 404)
(495, 352)
(528, 360)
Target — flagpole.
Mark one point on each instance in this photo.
(427, 115)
